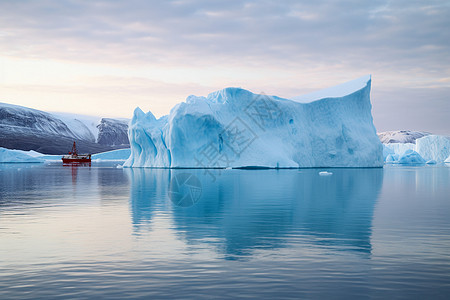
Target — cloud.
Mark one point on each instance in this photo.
(108, 96)
(181, 32)
(422, 109)
(283, 47)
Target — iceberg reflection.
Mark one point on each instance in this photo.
(246, 210)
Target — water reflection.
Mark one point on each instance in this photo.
(74, 169)
(246, 210)
(114, 233)
(113, 185)
(148, 191)
(39, 185)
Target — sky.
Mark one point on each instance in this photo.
(105, 58)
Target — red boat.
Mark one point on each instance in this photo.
(74, 157)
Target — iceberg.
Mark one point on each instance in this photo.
(18, 156)
(433, 147)
(391, 158)
(120, 154)
(411, 157)
(236, 128)
(325, 173)
(393, 151)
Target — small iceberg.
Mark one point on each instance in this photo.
(18, 156)
(325, 173)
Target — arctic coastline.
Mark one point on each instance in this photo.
(234, 128)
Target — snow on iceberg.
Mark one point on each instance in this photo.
(236, 128)
(337, 91)
(18, 156)
(433, 147)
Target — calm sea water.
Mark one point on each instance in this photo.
(101, 231)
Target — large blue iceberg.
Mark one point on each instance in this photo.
(234, 128)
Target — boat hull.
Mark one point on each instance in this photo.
(76, 160)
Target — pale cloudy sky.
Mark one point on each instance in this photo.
(107, 57)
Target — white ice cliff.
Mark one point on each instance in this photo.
(432, 148)
(236, 128)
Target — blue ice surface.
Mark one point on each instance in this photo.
(236, 128)
(411, 157)
(432, 148)
(120, 154)
(17, 156)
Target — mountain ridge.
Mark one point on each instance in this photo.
(24, 128)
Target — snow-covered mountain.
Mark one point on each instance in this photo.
(401, 136)
(20, 118)
(85, 127)
(53, 133)
(113, 132)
